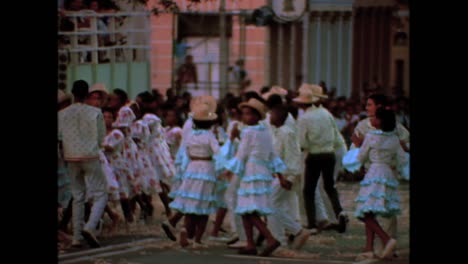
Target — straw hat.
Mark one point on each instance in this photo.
(125, 117)
(62, 96)
(98, 87)
(255, 104)
(275, 89)
(203, 99)
(204, 108)
(309, 93)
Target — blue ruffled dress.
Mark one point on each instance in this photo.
(255, 162)
(379, 188)
(196, 194)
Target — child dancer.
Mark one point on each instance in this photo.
(122, 153)
(287, 146)
(254, 163)
(378, 194)
(195, 197)
(160, 158)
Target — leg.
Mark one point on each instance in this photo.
(220, 214)
(78, 188)
(165, 200)
(370, 235)
(248, 228)
(97, 185)
(370, 221)
(67, 214)
(272, 243)
(311, 176)
(175, 218)
(125, 203)
(190, 223)
(277, 221)
(201, 227)
(113, 216)
(329, 182)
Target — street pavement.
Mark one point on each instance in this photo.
(142, 243)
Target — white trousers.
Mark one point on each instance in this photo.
(281, 219)
(87, 177)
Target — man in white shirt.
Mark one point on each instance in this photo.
(81, 128)
(318, 136)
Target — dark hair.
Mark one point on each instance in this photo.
(146, 97)
(123, 97)
(282, 111)
(387, 119)
(203, 124)
(109, 110)
(274, 100)
(379, 99)
(252, 94)
(80, 89)
(265, 89)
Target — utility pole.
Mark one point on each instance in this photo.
(223, 50)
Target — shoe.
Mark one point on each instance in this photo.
(168, 230)
(246, 251)
(90, 238)
(388, 249)
(313, 231)
(342, 222)
(218, 238)
(238, 244)
(300, 239)
(232, 240)
(365, 255)
(269, 249)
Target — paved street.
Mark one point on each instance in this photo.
(146, 244)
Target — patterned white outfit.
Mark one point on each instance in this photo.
(196, 194)
(255, 162)
(115, 139)
(81, 128)
(158, 149)
(149, 178)
(171, 139)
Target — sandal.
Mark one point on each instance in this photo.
(269, 249)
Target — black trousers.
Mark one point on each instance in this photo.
(316, 165)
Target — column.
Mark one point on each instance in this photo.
(267, 68)
(372, 42)
(328, 27)
(350, 55)
(339, 89)
(279, 54)
(381, 43)
(305, 43)
(318, 48)
(387, 18)
(292, 61)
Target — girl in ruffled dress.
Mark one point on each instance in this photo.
(149, 178)
(195, 197)
(122, 153)
(255, 163)
(160, 158)
(378, 195)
